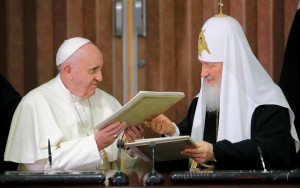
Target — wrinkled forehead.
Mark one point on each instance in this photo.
(213, 38)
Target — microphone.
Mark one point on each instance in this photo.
(153, 177)
(119, 178)
(49, 171)
(261, 158)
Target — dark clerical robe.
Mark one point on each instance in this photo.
(9, 100)
(290, 80)
(270, 130)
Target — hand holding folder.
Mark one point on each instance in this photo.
(144, 106)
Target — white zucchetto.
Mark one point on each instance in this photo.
(68, 48)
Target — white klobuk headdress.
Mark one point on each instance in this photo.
(245, 84)
(68, 48)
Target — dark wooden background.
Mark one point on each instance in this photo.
(32, 30)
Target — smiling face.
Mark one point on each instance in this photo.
(212, 72)
(83, 71)
(212, 75)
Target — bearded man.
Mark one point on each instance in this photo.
(240, 114)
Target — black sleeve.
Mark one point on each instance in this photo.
(270, 130)
(186, 125)
(9, 100)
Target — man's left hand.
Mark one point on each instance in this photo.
(202, 154)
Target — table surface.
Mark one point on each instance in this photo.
(136, 180)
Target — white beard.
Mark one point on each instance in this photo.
(211, 95)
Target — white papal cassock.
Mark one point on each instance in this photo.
(49, 112)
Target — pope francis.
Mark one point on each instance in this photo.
(65, 111)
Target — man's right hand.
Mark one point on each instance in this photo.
(162, 125)
(106, 136)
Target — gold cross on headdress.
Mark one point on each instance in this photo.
(220, 5)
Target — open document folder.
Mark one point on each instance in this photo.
(166, 149)
(144, 106)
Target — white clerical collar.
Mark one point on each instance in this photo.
(67, 92)
(76, 98)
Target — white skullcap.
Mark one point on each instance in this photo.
(212, 38)
(68, 48)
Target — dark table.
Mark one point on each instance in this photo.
(136, 180)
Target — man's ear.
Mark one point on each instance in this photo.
(67, 69)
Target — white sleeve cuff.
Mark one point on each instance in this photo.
(177, 132)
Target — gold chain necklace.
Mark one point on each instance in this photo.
(83, 126)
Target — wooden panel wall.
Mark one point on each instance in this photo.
(32, 30)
